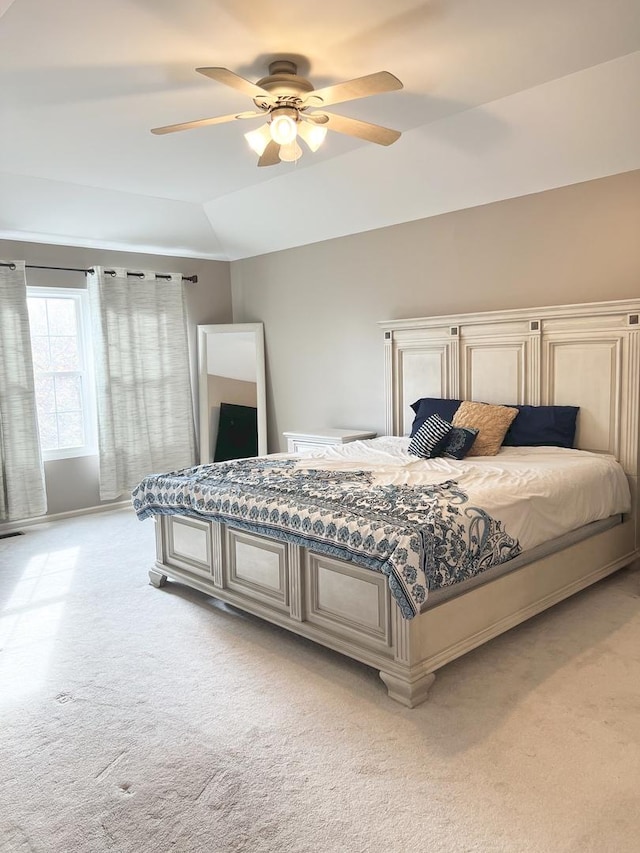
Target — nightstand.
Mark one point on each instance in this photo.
(299, 442)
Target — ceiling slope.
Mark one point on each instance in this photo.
(499, 99)
(581, 127)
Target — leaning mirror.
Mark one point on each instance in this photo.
(233, 417)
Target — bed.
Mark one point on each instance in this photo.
(375, 603)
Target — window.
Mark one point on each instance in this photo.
(58, 318)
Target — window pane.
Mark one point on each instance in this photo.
(48, 431)
(70, 429)
(45, 397)
(68, 394)
(64, 353)
(37, 315)
(40, 350)
(59, 363)
(62, 316)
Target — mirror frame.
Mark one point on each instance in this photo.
(206, 452)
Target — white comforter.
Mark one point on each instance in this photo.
(538, 493)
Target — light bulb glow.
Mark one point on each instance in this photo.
(290, 153)
(283, 126)
(313, 134)
(259, 139)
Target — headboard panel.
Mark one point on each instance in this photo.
(581, 355)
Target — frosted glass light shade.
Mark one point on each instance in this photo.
(259, 139)
(290, 153)
(313, 134)
(283, 126)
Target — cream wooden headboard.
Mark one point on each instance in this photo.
(580, 355)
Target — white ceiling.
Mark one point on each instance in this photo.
(500, 98)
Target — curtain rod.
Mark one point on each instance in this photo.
(192, 278)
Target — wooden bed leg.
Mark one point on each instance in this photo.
(409, 693)
(156, 578)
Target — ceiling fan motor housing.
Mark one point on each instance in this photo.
(284, 83)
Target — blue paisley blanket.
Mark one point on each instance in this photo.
(421, 537)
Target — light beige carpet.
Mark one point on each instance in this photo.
(137, 719)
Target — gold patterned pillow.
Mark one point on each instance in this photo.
(492, 421)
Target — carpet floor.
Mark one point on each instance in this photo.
(138, 719)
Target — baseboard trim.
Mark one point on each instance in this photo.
(9, 527)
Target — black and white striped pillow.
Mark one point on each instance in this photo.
(430, 438)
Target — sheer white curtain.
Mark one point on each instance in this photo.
(145, 415)
(22, 490)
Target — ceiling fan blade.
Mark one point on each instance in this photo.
(271, 155)
(229, 78)
(188, 125)
(316, 118)
(362, 129)
(361, 87)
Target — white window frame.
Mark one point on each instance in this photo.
(81, 297)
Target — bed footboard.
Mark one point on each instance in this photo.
(350, 609)
(333, 602)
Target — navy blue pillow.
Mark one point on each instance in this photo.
(458, 442)
(427, 406)
(536, 426)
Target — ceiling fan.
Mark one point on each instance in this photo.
(293, 108)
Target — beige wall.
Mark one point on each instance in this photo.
(73, 483)
(320, 303)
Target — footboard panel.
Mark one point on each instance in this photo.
(187, 544)
(348, 601)
(257, 568)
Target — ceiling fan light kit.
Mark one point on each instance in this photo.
(287, 101)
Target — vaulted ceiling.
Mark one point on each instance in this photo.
(500, 99)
